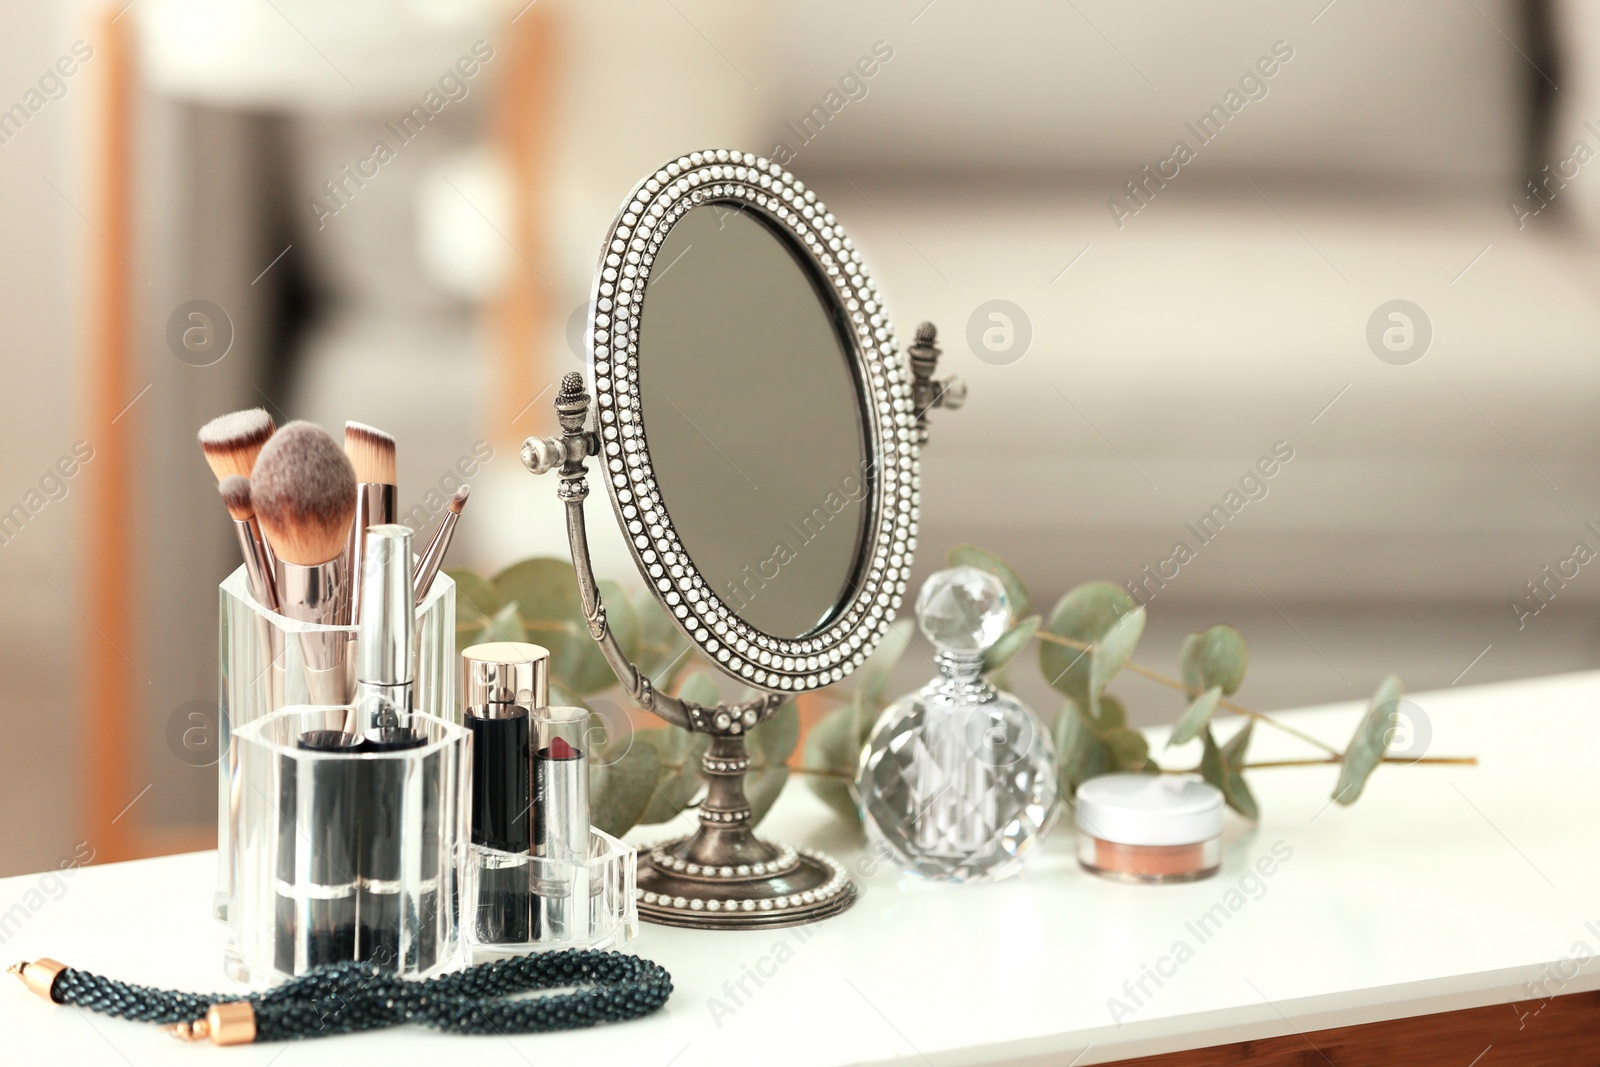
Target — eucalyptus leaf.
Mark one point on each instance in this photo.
(761, 789)
(476, 603)
(1129, 749)
(700, 688)
(1212, 767)
(678, 753)
(1217, 657)
(1370, 742)
(1113, 650)
(1080, 755)
(834, 746)
(546, 593)
(621, 790)
(1198, 715)
(1014, 640)
(506, 625)
(772, 742)
(871, 682)
(1084, 615)
(1108, 715)
(1235, 789)
(973, 556)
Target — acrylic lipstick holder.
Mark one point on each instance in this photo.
(346, 853)
(269, 662)
(514, 903)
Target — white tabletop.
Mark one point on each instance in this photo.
(1442, 888)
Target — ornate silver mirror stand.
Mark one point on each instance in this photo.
(723, 876)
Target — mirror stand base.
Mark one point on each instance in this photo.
(796, 886)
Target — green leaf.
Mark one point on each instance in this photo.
(678, 753)
(1108, 715)
(773, 741)
(761, 789)
(834, 745)
(1014, 640)
(1189, 725)
(1085, 615)
(700, 688)
(1129, 750)
(1370, 742)
(973, 556)
(873, 677)
(506, 625)
(1113, 650)
(476, 603)
(1235, 790)
(622, 789)
(546, 593)
(1212, 767)
(1080, 755)
(1215, 658)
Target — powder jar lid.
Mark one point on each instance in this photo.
(1149, 809)
(505, 672)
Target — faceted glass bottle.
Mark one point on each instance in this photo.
(958, 780)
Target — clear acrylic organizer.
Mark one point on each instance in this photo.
(513, 903)
(345, 853)
(269, 662)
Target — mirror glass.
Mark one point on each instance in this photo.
(753, 419)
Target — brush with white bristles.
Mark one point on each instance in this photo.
(235, 490)
(231, 444)
(304, 491)
(433, 556)
(372, 455)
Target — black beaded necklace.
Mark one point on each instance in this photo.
(344, 998)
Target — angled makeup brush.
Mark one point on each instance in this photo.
(235, 490)
(231, 442)
(304, 491)
(372, 455)
(433, 556)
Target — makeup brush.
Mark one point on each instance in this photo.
(433, 555)
(372, 454)
(235, 490)
(304, 491)
(231, 442)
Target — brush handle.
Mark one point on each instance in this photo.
(433, 556)
(257, 569)
(375, 506)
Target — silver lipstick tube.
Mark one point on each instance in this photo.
(561, 824)
(386, 630)
(375, 506)
(317, 594)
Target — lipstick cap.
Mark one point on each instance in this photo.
(505, 672)
(387, 616)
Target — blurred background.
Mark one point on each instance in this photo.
(1280, 313)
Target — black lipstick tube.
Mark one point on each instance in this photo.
(500, 683)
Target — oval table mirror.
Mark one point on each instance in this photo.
(758, 432)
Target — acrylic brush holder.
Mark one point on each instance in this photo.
(347, 848)
(269, 662)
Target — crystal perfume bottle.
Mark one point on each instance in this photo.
(958, 780)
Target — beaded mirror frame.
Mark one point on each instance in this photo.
(723, 876)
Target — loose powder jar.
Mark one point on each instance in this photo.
(1149, 828)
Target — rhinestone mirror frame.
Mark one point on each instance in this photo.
(763, 660)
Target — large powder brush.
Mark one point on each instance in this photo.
(304, 491)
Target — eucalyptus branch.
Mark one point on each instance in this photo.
(1172, 683)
